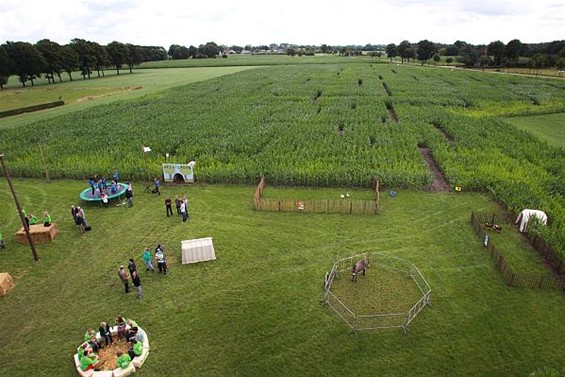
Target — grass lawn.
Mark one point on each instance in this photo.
(256, 310)
(80, 94)
(549, 127)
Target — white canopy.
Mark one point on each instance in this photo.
(527, 214)
(197, 250)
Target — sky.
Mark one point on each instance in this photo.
(262, 22)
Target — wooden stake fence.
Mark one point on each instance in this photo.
(317, 205)
(512, 278)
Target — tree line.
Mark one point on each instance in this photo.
(30, 61)
(495, 54)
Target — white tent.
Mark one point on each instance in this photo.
(197, 250)
(527, 214)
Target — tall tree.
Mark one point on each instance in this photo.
(87, 56)
(54, 55)
(6, 67)
(391, 51)
(28, 61)
(134, 56)
(118, 54)
(178, 52)
(211, 50)
(496, 50)
(71, 61)
(426, 50)
(468, 55)
(102, 59)
(404, 50)
(512, 51)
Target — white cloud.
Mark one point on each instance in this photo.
(164, 22)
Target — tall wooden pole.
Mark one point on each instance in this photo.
(26, 229)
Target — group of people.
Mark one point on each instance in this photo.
(126, 330)
(31, 219)
(134, 274)
(181, 205)
(99, 186)
(79, 219)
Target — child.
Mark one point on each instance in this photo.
(90, 338)
(31, 219)
(136, 350)
(2, 242)
(46, 219)
(121, 323)
(147, 259)
(123, 360)
(104, 199)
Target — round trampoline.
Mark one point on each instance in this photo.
(87, 196)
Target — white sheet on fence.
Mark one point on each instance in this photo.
(197, 250)
(527, 214)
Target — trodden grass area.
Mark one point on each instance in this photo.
(256, 310)
(549, 127)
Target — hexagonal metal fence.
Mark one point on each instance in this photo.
(378, 320)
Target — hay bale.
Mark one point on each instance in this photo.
(38, 233)
(6, 283)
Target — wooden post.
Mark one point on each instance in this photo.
(26, 229)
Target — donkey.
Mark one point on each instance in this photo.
(358, 267)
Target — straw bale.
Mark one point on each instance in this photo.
(6, 283)
(38, 233)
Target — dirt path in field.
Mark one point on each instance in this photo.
(439, 184)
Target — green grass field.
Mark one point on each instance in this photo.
(548, 127)
(81, 94)
(256, 310)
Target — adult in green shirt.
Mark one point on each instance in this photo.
(123, 360)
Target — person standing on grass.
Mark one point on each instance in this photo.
(177, 203)
(137, 284)
(131, 266)
(147, 259)
(183, 211)
(129, 194)
(161, 261)
(124, 278)
(168, 206)
(74, 213)
(1, 241)
(116, 176)
(185, 201)
(157, 186)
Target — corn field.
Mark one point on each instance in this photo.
(320, 125)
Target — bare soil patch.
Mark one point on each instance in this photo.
(440, 184)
